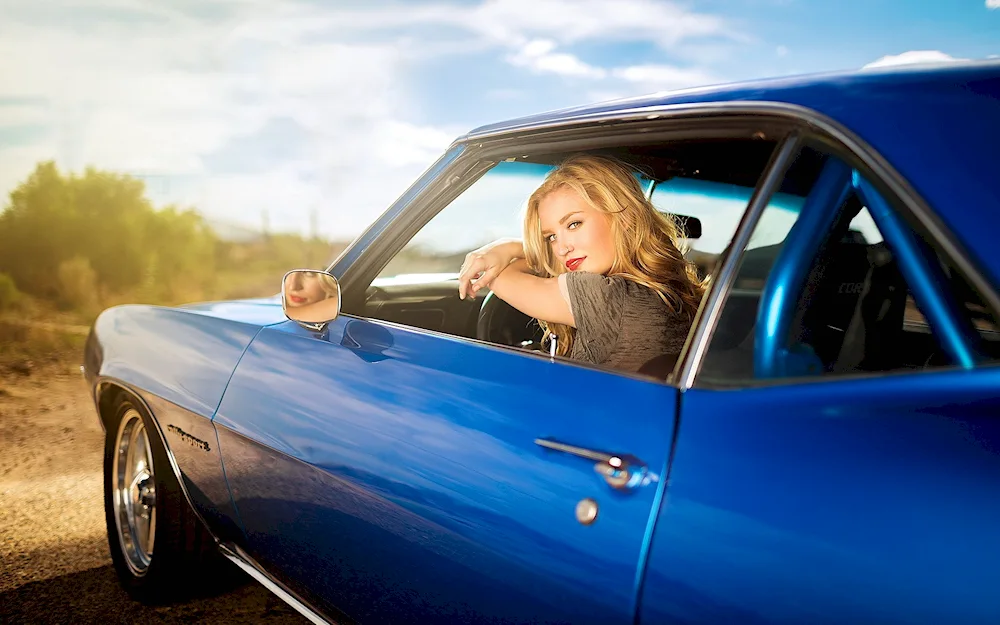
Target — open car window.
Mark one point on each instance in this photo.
(722, 205)
(718, 206)
(704, 185)
(489, 209)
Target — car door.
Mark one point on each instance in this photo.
(390, 473)
(403, 476)
(831, 474)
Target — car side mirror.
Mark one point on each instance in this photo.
(310, 297)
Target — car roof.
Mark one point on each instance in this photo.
(830, 90)
(938, 125)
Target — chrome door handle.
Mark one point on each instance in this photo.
(620, 472)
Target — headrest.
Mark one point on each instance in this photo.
(690, 227)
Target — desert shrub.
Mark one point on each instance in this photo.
(77, 284)
(9, 295)
(23, 347)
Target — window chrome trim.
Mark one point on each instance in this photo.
(646, 113)
(708, 314)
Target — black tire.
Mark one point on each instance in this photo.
(184, 560)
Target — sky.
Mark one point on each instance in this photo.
(267, 111)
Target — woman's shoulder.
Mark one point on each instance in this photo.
(609, 286)
(581, 287)
(617, 296)
(595, 281)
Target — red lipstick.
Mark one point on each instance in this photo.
(573, 263)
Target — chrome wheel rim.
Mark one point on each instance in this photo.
(134, 493)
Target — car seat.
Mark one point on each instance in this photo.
(873, 340)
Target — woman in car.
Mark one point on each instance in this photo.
(599, 267)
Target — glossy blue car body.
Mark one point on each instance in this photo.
(373, 472)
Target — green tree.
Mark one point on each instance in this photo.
(34, 230)
(114, 221)
(94, 239)
(104, 220)
(182, 251)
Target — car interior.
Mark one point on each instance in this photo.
(870, 327)
(434, 304)
(855, 315)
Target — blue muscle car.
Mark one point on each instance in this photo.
(826, 449)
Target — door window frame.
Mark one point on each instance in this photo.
(473, 161)
(473, 155)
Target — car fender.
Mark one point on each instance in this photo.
(176, 364)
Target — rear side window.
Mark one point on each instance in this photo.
(721, 206)
(855, 313)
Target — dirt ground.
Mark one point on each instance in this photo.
(54, 562)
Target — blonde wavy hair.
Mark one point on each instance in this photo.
(329, 285)
(646, 249)
(326, 282)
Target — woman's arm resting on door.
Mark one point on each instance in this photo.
(534, 296)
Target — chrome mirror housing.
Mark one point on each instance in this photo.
(310, 297)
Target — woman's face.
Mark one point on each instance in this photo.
(303, 287)
(579, 236)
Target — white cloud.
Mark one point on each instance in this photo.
(177, 94)
(403, 144)
(160, 99)
(514, 22)
(664, 77)
(781, 50)
(567, 21)
(913, 57)
(520, 26)
(993, 4)
(538, 55)
(24, 113)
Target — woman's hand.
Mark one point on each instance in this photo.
(485, 264)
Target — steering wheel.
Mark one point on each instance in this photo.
(499, 322)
